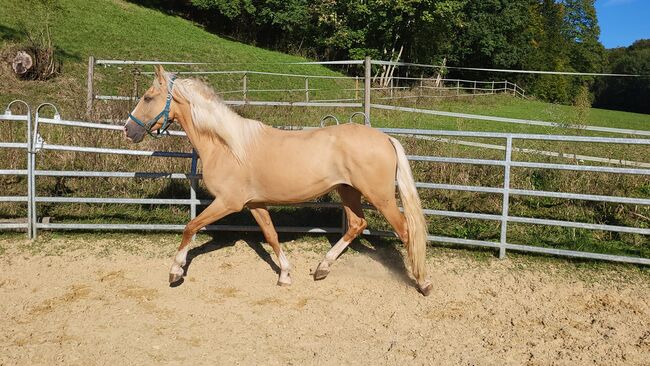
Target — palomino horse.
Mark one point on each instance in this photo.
(249, 164)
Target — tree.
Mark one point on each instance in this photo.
(623, 93)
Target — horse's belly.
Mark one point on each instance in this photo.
(295, 189)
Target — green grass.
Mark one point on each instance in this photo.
(116, 29)
(506, 106)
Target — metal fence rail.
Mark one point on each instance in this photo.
(25, 148)
(38, 146)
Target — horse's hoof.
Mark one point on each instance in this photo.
(173, 278)
(426, 288)
(321, 272)
(284, 284)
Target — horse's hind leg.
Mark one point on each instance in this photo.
(351, 199)
(216, 210)
(263, 218)
(396, 219)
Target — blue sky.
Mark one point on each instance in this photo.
(623, 21)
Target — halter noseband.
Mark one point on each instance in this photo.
(164, 113)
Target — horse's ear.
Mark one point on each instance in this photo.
(160, 75)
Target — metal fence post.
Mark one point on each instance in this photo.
(344, 221)
(193, 187)
(32, 157)
(245, 87)
(356, 88)
(367, 64)
(457, 87)
(89, 93)
(30, 175)
(506, 198)
(307, 90)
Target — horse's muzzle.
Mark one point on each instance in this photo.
(133, 132)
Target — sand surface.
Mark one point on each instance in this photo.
(86, 301)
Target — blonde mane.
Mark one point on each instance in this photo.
(210, 114)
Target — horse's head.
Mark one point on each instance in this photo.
(152, 113)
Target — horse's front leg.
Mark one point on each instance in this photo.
(263, 218)
(216, 210)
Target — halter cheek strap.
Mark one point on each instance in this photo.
(164, 114)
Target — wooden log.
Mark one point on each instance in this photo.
(22, 63)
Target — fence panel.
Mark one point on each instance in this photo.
(24, 149)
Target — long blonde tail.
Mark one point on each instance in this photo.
(417, 225)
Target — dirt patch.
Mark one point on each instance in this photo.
(85, 307)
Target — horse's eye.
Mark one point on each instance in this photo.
(147, 98)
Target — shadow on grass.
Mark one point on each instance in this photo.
(11, 34)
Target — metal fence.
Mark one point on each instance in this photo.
(36, 145)
(507, 163)
(24, 148)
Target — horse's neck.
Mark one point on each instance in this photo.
(204, 144)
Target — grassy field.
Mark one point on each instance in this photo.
(122, 30)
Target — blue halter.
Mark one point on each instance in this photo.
(164, 113)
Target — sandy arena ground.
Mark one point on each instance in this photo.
(85, 300)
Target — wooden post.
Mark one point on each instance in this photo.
(457, 87)
(492, 88)
(366, 90)
(90, 96)
(307, 90)
(245, 89)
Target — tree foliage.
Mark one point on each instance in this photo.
(628, 94)
(560, 35)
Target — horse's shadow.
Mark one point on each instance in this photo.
(382, 250)
(224, 242)
(386, 252)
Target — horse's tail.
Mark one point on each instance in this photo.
(417, 225)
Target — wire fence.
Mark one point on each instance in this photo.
(37, 145)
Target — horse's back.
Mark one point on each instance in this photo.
(311, 162)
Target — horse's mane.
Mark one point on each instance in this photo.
(210, 114)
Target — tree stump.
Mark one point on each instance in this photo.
(22, 63)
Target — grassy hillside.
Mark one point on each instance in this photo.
(115, 29)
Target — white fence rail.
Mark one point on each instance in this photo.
(36, 145)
